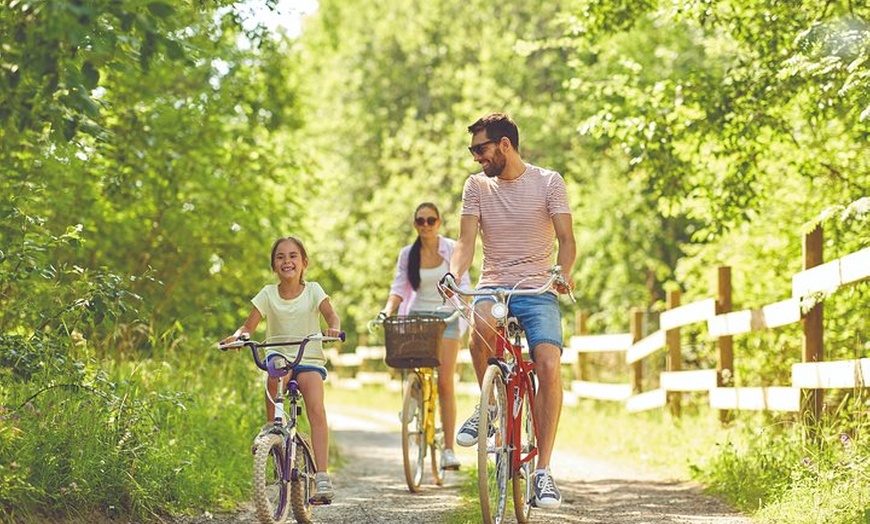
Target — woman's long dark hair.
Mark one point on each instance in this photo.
(414, 257)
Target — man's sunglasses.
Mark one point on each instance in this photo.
(477, 149)
(420, 221)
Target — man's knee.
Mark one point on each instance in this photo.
(548, 360)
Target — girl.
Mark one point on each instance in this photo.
(414, 290)
(292, 308)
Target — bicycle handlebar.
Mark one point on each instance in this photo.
(244, 340)
(448, 283)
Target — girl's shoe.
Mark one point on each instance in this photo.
(323, 492)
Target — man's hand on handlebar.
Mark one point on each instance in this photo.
(565, 284)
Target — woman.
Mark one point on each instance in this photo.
(419, 268)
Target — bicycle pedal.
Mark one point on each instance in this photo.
(319, 502)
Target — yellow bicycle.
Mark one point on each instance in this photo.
(413, 344)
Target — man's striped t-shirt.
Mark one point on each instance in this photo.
(516, 224)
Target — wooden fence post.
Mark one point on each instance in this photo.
(725, 371)
(675, 353)
(581, 371)
(813, 350)
(636, 335)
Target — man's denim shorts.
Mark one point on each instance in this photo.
(539, 315)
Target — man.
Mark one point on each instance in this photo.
(519, 210)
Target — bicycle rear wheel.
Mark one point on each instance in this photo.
(493, 454)
(302, 477)
(413, 432)
(270, 490)
(522, 482)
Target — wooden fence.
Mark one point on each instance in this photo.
(808, 377)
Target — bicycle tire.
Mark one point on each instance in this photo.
(270, 490)
(493, 453)
(523, 484)
(302, 481)
(413, 432)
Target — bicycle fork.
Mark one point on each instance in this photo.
(521, 453)
(430, 399)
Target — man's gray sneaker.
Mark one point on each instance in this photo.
(467, 435)
(547, 495)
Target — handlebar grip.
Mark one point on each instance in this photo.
(231, 345)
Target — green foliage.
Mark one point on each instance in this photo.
(159, 436)
(167, 191)
(782, 476)
(61, 51)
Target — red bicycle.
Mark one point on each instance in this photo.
(507, 400)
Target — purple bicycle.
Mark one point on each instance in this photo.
(284, 467)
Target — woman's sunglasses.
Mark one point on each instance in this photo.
(430, 220)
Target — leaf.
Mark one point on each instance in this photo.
(161, 9)
(90, 75)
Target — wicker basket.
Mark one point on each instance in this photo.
(413, 341)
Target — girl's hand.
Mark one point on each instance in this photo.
(330, 332)
(233, 338)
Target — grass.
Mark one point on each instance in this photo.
(133, 439)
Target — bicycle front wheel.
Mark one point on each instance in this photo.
(413, 432)
(302, 480)
(493, 452)
(522, 481)
(270, 490)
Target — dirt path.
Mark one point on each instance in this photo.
(370, 488)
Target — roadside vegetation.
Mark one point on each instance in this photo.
(151, 151)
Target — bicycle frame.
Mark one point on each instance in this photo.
(517, 373)
(430, 399)
(289, 428)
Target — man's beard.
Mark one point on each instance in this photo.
(496, 165)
